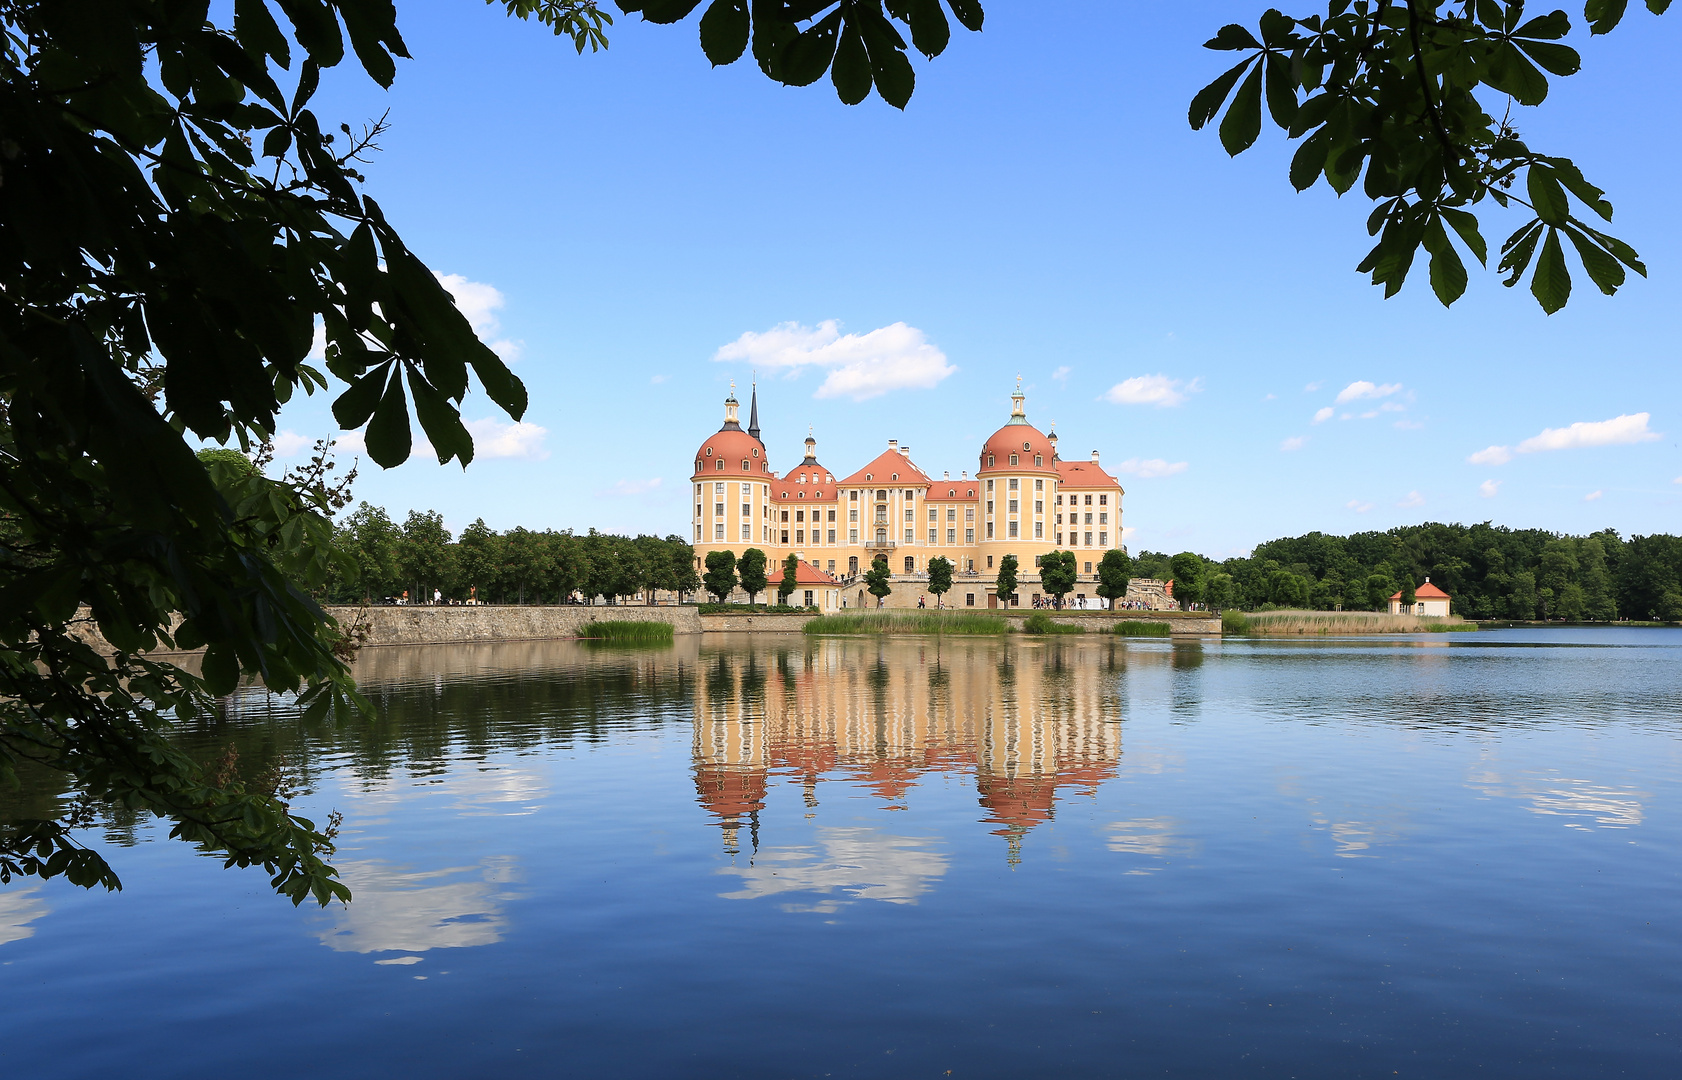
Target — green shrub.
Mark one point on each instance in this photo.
(1234, 622)
(1143, 628)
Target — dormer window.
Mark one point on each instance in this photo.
(895, 476)
(1038, 461)
(989, 460)
(1013, 459)
(745, 465)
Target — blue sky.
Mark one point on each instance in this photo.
(619, 221)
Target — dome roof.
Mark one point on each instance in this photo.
(731, 445)
(1025, 441)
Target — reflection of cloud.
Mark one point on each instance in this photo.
(1558, 796)
(395, 910)
(1154, 838)
(17, 911)
(497, 785)
(865, 863)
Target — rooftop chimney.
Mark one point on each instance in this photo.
(946, 475)
(893, 444)
(905, 451)
(1094, 457)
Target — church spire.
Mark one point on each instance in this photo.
(753, 412)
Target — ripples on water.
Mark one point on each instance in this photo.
(768, 857)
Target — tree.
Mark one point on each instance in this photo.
(1408, 595)
(720, 578)
(876, 579)
(940, 577)
(526, 562)
(370, 538)
(1005, 586)
(1058, 573)
(752, 569)
(1115, 569)
(685, 579)
(479, 554)
(791, 575)
(424, 553)
(1188, 571)
(1393, 90)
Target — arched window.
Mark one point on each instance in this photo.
(1013, 459)
(1038, 461)
(697, 464)
(881, 496)
(989, 460)
(745, 465)
(720, 464)
(895, 476)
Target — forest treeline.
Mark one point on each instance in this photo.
(519, 566)
(1490, 571)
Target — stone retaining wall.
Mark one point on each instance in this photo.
(496, 622)
(1199, 623)
(756, 624)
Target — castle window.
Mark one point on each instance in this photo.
(989, 460)
(895, 476)
(745, 465)
(1039, 530)
(800, 515)
(709, 451)
(881, 496)
(1027, 446)
(697, 464)
(852, 496)
(1013, 459)
(720, 464)
(1089, 500)
(867, 476)
(1103, 499)
(1038, 460)
(718, 489)
(756, 451)
(909, 495)
(1039, 485)
(785, 515)
(832, 515)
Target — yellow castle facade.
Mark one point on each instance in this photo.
(1023, 500)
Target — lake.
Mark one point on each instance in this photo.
(1439, 855)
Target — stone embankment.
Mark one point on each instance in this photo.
(491, 622)
(497, 622)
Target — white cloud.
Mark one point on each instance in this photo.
(1322, 415)
(632, 487)
(1408, 425)
(1158, 390)
(1151, 467)
(1392, 406)
(1269, 397)
(1127, 532)
(1593, 495)
(289, 443)
(1630, 428)
(1295, 442)
(1360, 389)
(1061, 375)
(1488, 488)
(1313, 386)
(1358, 506)
(1678, 480)
(658, 379)
(318, 344)
(1620, 430)
(1414, 499)
(861, 366)
(480, 303)
(1492, 455)
(492, 438)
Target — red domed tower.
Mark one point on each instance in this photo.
(1018, 475)
(732, 496)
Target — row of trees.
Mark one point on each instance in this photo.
(1490, 571)
(519, 566)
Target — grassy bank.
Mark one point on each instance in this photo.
(908, 622)
(1142, 628)
(629, 632)
(1338, 622)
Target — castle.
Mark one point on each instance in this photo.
(1024, 500)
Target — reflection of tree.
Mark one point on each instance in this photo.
(412, 911)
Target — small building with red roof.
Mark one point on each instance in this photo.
(812, 587)
(1427, 600)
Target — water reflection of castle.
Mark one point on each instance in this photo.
(1030, 725)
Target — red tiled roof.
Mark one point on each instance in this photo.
(1024, 440)
(1084, 474)
(807, 574)
(731, 446)
(882, 469)
(1426, 591)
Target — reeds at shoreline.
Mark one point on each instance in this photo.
(1281, 623)
(1142, 628)
(629, 632)
(909, 622)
